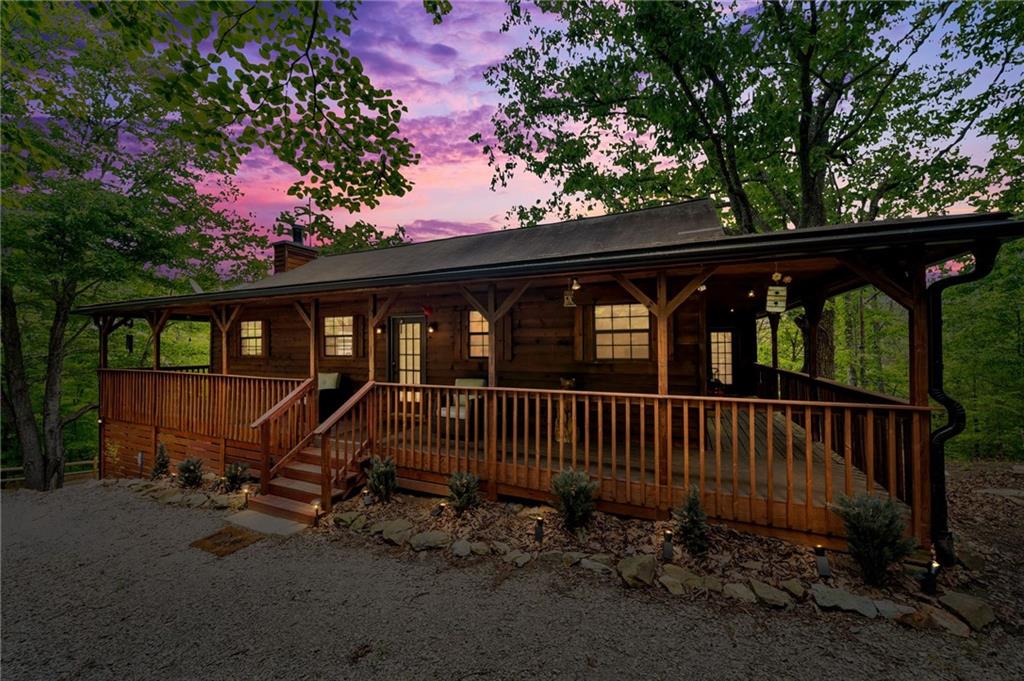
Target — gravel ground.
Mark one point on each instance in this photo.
(101, 584)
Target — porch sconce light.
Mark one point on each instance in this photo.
(432, 327)
(574, 284)
(538, 528)
(750, 293)
(366, 497)
(702, 288)
(666, 547)
(245, 496)
(822, 562)
(99, 421)
(929, 582)
(316, 513)
(379, 329)
(732, 309)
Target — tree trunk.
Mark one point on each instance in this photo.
(17, 394)
(53, 424)
(850, 337)
(827, 344)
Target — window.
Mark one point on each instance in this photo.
(339, 336)
(252, 339)
(478, 328)
(622, 331)
(721, 356)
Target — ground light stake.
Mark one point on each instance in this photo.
(666, 546)
(538, 529)
(822, 561)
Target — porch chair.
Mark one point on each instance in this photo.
(460, 409)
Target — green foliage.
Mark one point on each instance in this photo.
(463, 491)
(875, 532)
(190, 473)
(382, 478)
(692, 529)
(574, 497)
(162, 462)
(235, 475)
(787, 113)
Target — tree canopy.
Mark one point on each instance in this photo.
(796, 114)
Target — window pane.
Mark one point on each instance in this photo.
(721, 356)
(339, 336)
(621, 331)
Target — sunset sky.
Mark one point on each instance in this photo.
(437, 71)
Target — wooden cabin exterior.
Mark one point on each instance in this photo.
(623, 345)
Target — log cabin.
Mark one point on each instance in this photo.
(622, 345)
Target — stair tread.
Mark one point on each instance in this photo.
(301, 485)
(301, 466)
(284, 503)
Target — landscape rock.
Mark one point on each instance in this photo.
(673, 585)
(359, 523)
(461, 548)
(930, 617)
(1004, 492)
(550, 557)
(976, 612)
(346, 518)
(570, 558)
(891, 610)
(711, 583)
(594, 566)
(794, 587)
(517, 558)
(602, 558)
(638, 570)
(172, 497)
(395, 532)
(480, 548)
(973, 561)
(770, 596)
(220, 501)
(195, 500)
(432, 539)
(752, 565)
(828, 598)
(680, 574)
(739, 592)
(501, 548)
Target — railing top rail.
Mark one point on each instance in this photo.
(674, 398)
(345, 408)
(283, 403)
(837, 385)
(151, 372)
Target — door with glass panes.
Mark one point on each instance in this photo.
(407, 350)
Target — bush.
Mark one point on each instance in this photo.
(574, 497)
(235, 475)
(382, 479)
(875, 532)
(190, 473)
(463, 491)
(162, 462)
(692, 529)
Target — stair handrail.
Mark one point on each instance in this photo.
(264, 423)
(345, 408)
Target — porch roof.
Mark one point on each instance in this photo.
(680, 234)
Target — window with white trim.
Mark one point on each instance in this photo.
(339, 336)
(478, 328)
(622, 331)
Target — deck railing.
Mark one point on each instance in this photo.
(774, 463)
(285, 429)
(346, 436)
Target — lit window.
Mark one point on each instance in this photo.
(622, 331)
(252, 339)
(339, 336)
(478, 328)
(721, 356)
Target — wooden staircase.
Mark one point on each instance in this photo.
(295, 490)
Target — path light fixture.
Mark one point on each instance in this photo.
(245, 496)
(929, 582)
(367, 500)
(666, 546)
(439, 509)
(316, 513)
(821, 560)
(538, 528)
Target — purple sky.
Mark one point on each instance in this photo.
(437, 72)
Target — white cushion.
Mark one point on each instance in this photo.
(471, 382)
(327, 380)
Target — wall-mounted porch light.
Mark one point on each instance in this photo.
(750, 293)
(702, 288)
(432, 327)
(379, 329)
(574, 284)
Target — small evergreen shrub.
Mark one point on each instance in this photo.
(382, 478)
(574, 497)
(463, 491)
(875, 531)
(235, 475)
(692, 529)
(162, 462)
(190, 473)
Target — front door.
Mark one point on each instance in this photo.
(407, 360)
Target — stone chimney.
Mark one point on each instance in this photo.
(291, 254)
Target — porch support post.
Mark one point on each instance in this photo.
(918, 393)
(493, 313)
(309, 318)
(157, 321)
(224, 319)
(375, 318)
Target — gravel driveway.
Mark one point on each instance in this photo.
(101, 584)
